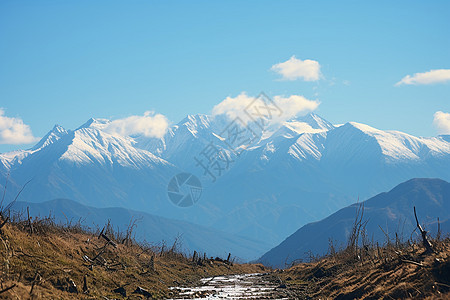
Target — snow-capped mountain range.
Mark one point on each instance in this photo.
(294, 173)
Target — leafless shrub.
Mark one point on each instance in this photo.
(331, 248)
(312, 257)
(129, 238)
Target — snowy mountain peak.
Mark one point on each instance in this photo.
(311, 123)
(197, 119)
(397, 146)
(52, 136)
(315, 121)
(58, 129)
(363, 127)
(95, 123)
(91, 145)
(195, 122)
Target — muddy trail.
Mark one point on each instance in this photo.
(244, 286)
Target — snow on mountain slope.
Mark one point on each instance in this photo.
(197, 131)
(10, 158)
(16, 157)
(296, 126)
(396, 145)
(353, 143)
(92, 167)
(95, 123)
(186, 140)
(90, 145)
(308, 146)
(54, 135)
(316, 122)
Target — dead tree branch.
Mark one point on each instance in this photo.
(30, 223)
(8, 288)
(426, 243)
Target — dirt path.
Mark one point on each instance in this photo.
(246, 286)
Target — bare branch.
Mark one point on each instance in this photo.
(426, 243)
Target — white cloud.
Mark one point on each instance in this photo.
(291, 106)
(233, 107)
(294, 68)
(442, 122)
(294, 105)
(430, 77)
(149, 125)
(14, 132)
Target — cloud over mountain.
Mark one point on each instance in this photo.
(442, 122)
(149, 125)
(287, 107)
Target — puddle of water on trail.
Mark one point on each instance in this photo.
(245, 286)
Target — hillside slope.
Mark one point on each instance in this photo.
(392, 211)
(394, 272)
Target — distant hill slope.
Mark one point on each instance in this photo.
(393, 211)
(153, 229)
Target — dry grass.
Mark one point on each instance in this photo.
(364, 270)
(405, 273)
(48, 263)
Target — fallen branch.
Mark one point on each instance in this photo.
(414, 263)
(85, 285)
(8, 288)
(107, 238)
(87, 259)
(442, 284)
(37, 278)
(31, 256)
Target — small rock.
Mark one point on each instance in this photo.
(282, 286)
(143, 292)
(120, 290)
(72, 286)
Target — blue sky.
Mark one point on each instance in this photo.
(62, 62)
